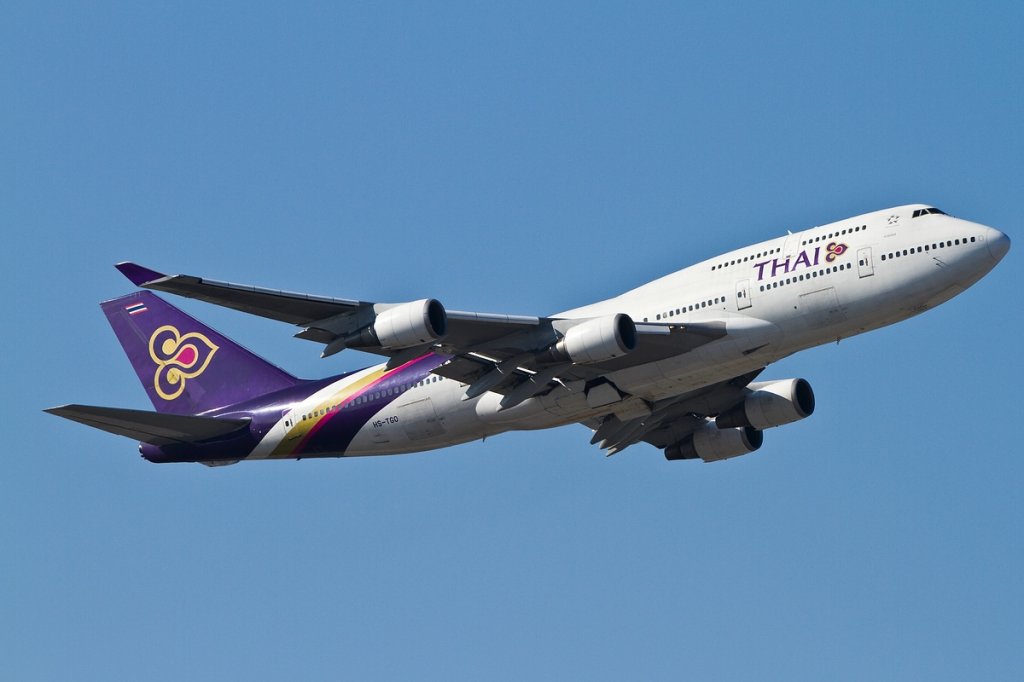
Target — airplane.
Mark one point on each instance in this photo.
(674, 363)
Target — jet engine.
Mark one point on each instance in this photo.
(596, 340)
(769, 404)
(403, 326)
(713, 444)
(411, 324)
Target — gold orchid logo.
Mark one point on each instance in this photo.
(178, 357)
(834, 250)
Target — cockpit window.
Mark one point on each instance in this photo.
(928, 211)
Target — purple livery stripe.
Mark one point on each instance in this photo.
(342, 419)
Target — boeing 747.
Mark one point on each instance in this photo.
(675, 363)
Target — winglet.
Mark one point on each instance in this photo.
(138, 275)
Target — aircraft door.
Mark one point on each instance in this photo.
(865, 268)
(743, 294)
(791, 247)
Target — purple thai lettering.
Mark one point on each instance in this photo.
(776, 265)
(817, 254)
(802, 259)
(760, 269)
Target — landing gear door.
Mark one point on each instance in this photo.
(865, 268)
(743, 294)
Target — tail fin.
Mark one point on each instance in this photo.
(186, 367)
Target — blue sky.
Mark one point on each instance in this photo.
(521, 158)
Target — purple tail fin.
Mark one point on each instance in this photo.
(186, 367)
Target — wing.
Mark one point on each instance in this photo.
(672, 420)
(327, 320)
(516, 356)
(156, 428)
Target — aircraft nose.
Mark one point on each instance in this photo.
(998, 244)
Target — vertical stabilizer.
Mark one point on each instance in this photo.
(186, 367)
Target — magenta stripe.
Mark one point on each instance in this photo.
(323, 420)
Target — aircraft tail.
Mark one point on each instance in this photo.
(186, 367)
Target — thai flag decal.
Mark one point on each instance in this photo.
(136, 308)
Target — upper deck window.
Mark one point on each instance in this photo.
(927, 211)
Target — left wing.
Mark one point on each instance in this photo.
(516, 356)
(327, 320)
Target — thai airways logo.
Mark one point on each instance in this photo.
(834, 251)
(808, 258)
(178, 357)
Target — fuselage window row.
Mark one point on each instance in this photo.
(690, 308)
(760, 254)
(927, 248)
(830, 235)
(367, 397)
(809, 275)
(833, 235)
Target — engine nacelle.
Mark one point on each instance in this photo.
(410, 324)
(596, 340)
(771, 404)
(713, 444)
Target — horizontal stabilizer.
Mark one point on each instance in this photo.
(150, 427)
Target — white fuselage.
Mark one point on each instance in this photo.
(775, 298)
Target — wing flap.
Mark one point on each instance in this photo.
(156, 428)
(671, 420)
